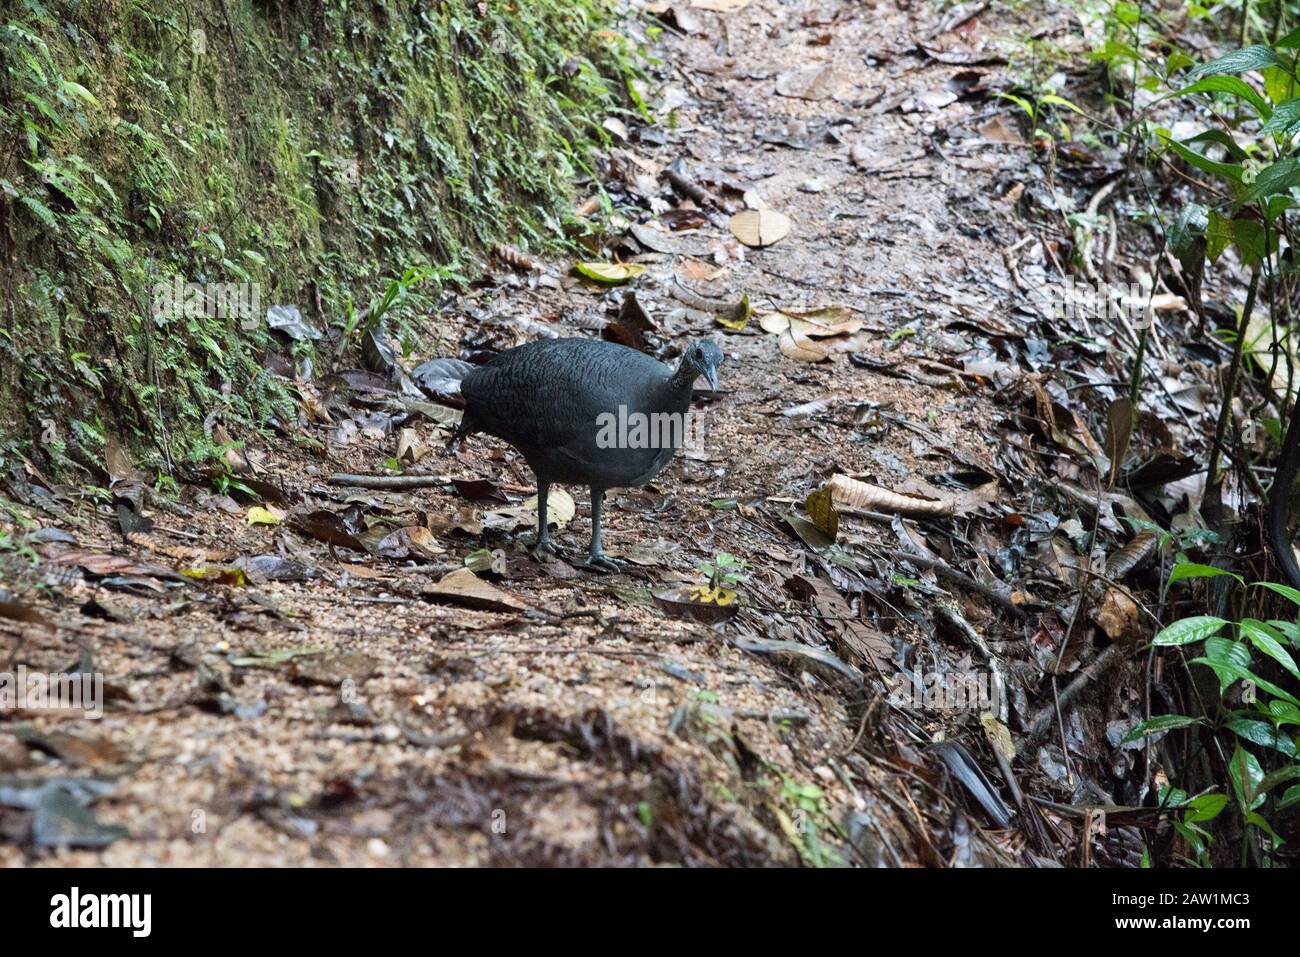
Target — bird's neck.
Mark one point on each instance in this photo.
(683, 378)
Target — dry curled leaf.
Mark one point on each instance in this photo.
(412, 541)
(1118, 615)
(409, 448)
(463, 587)
(516, 259)
(735, 317)
(873, 498)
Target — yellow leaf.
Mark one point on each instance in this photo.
(611, 272)
(257, 515)
(821, 510)
(213, 573)
(738, 317)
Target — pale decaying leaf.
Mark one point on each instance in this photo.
(409, 449)
(1259, 346)
(809, 82)
(269, 515)
(873, 498)
(760, 227)
(800, 348)
(560, 509)
(1118, 614)
(822, 323)
(720, 6)
(999, 736)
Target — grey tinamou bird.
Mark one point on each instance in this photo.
(564, 403)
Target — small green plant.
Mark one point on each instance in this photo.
(1252, 723)
(804, 818)
(725, 571)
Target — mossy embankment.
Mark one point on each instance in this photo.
(286, 151)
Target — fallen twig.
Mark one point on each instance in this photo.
(389, 482)
(944, 570)
(1043, 722)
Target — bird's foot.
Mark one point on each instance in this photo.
(545, 547)
(600, 562)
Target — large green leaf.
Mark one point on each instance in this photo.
(1285, 116)
(1268, 640)
(1282, 712)
(1218, 235)
(1226, 84)
(1280, 776)
(1204, 163)
(1229, 672)
(1164, 722)
(1187, 230)
(1206, 807)
(1272, 179)
(1288, 628)
(1261, 733)
(1255, 57)
(1251, 240)
(1286, 591)
(1193, 570)
(1220, 138)
(1187, 630)
(1279, 84)
(1234, 652)
(1246, 775)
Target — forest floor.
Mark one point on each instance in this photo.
(314, 703)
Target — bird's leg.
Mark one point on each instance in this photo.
(596, 557)
(543, 543)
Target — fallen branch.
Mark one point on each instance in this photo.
(1043, 722)
(389, 482)
(949, 612)
(944, 570)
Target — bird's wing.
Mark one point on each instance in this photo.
(550, 393)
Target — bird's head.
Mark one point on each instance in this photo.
(703, 357)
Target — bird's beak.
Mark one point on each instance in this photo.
(711, 374)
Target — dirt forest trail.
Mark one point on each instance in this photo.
(331, 710)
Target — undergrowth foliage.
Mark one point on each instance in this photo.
(316, 149)
(1242, 712)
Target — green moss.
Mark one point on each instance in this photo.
(312, 149)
